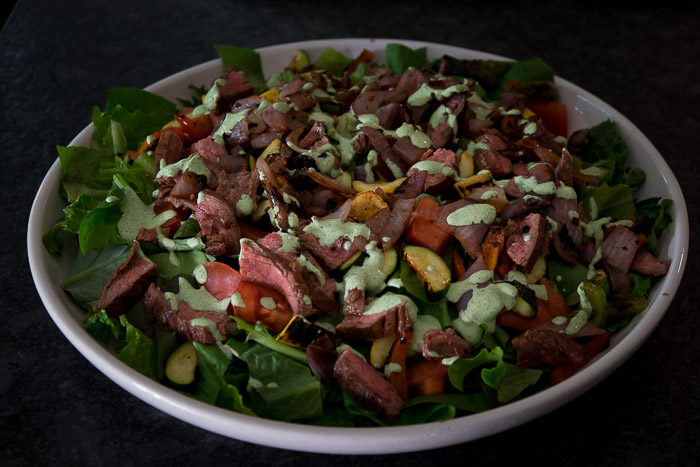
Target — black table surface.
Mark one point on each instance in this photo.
(58, 59)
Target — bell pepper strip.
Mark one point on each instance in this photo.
(492, 247)
(427, 376)
(504, 264)
(133, 154)
(197, 127)
(458, 266)
(396, 365)
(365, 56)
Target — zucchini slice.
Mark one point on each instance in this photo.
(181, 364)
(431, 270)
(391, 258)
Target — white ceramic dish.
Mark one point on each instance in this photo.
(585, 110)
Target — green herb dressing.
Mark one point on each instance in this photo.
(194, 164)
(328, 231)
(483, 307)
(244, 206)
(425, 93)
(476, 213)
(227, 125)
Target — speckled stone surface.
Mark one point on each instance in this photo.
(58, 59)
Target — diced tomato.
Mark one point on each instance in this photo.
(428, 376)
(511, 320)
(552, 113)
(555, 300)
(223, 281)
(426, 207)
(197, 127)
(424, 233)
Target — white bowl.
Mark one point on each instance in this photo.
(584, 109)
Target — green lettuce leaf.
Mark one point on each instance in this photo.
(245, 61)
(333, 61)
(400, 58)
(129, 116)
(283, 388)
(659, 211)
(491, 376)
(91, 272)
(212, 385)
(515, 381)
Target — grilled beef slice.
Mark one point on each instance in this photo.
(546, 347)
(366, 385)
(180, 320)
(127, 284)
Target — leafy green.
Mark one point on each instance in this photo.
(333, 62)
(515, 381)
(658, 211)
(212, 386)
(137, 350)
(566, 277)
(400, 58)
(130, 115)
(615, 201)
(639, 285)
(606, 148)
(91, 272)
(261, 334)
(491, 376)
(245, 61)
(283, 388)
(178, 262)
(103, 327)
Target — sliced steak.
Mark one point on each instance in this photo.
(441, 343)
(368, 327)
(170, 148)
(620, 247)
(645, 264)
(545, 347)
(127, 284)
(263, 266)
(367, 386)
(531, 242)
(180, 320)
(217, 220)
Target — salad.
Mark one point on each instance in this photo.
(352, 242)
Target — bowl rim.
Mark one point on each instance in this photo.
(359, 440)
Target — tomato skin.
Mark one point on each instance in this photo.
(197, 127)
(552, 113)
(424, 233)
(223, 282)
(428, 376)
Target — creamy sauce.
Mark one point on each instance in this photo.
(477, 213)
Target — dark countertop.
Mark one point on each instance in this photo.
(58, 59)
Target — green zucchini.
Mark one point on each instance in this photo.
(431, 270)
(181, 364)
